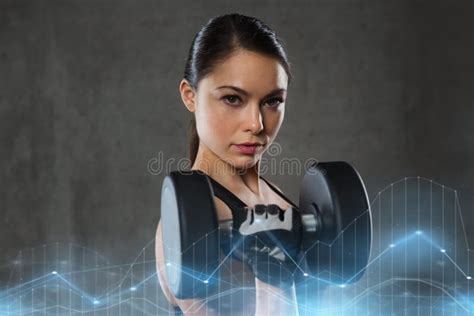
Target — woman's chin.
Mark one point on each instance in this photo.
(245, 162)
(241, 162)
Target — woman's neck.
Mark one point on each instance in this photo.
(227, 173)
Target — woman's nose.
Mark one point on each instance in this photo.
(253, 120)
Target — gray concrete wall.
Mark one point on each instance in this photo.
(89, 94)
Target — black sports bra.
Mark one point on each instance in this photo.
(233, 201)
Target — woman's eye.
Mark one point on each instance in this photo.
(273, 102)
(231, 99)
(235, 100)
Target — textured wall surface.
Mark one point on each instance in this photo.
(89, 94)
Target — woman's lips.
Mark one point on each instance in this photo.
(247, 149)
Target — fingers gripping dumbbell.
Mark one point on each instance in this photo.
(266, 217)
(268, 239)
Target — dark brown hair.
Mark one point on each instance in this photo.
(217, 39)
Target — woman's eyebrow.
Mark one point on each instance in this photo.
(274, 92)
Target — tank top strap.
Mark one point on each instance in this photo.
(229, 198)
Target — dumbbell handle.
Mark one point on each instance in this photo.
(310, 223)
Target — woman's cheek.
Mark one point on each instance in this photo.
(222, 120)
(214, 132)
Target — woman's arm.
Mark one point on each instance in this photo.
(195, 307)
(274, 300)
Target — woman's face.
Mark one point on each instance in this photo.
(241, 100)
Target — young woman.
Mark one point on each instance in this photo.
(235, 84)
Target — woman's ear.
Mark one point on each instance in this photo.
(188, 95)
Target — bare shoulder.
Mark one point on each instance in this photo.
(223, 211)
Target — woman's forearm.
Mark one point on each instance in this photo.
(275, 301)
(197, 308)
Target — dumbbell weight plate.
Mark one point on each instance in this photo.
(189, 233)
(339, 249)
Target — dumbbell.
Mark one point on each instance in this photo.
(335, 212)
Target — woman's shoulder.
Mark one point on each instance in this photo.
(222, 209)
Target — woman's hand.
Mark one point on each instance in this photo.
(268, 239)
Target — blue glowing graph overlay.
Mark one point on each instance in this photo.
(420, 264)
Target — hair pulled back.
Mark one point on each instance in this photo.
(217, 39)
